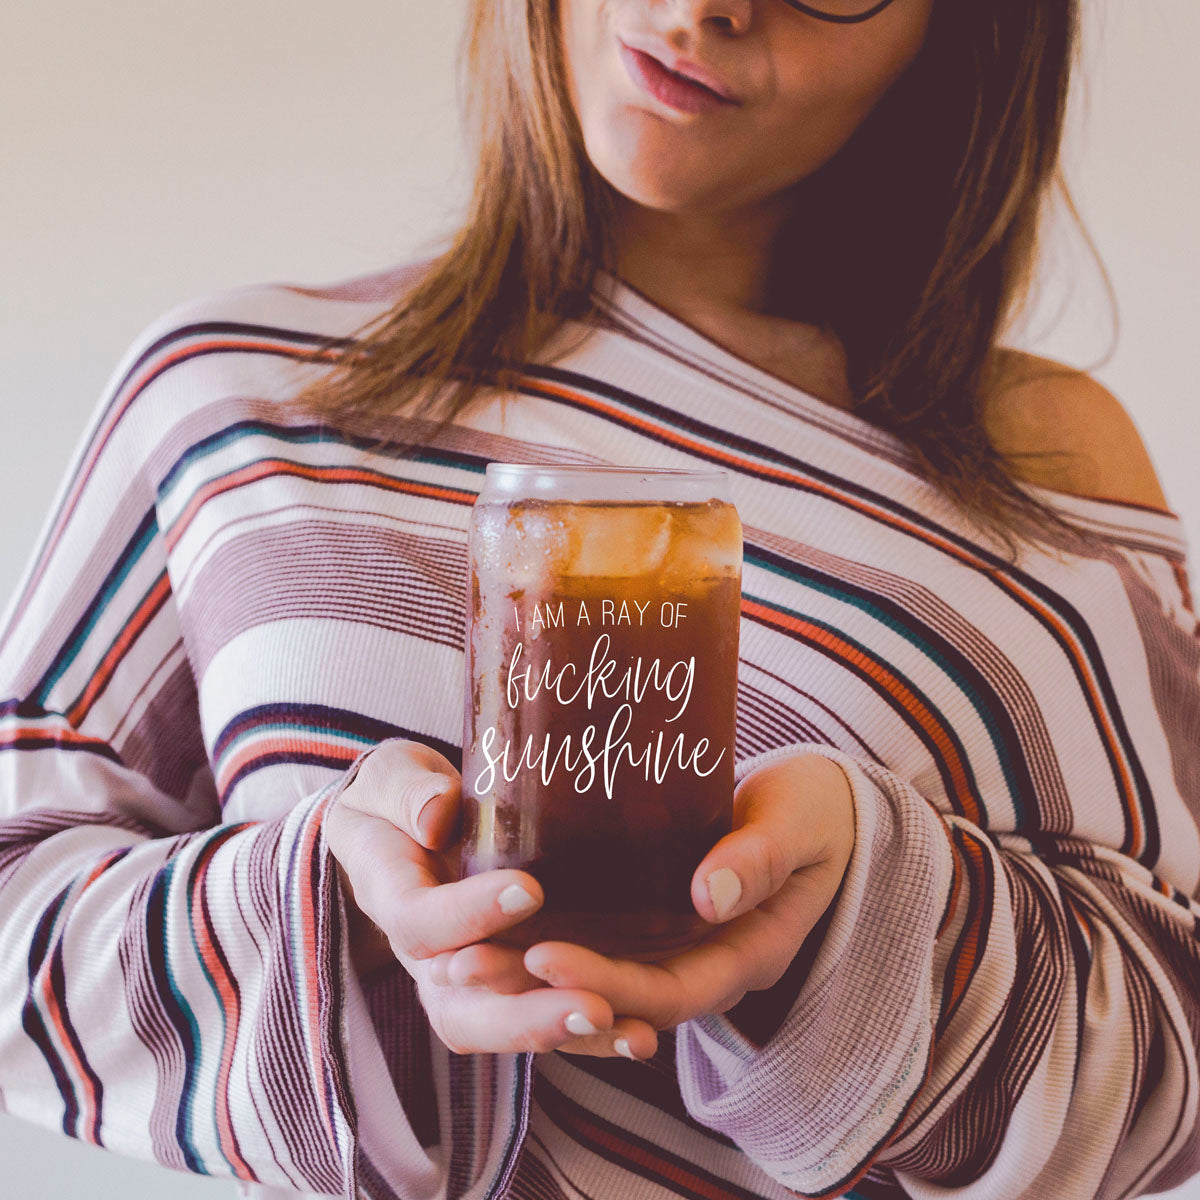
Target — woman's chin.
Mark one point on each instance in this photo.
(667, 187)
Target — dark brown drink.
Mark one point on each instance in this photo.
(602, 686)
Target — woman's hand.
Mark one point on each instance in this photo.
(406, 796)
(772, 877)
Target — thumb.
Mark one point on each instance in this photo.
(784, 815)
(412, 786)
(434, 802)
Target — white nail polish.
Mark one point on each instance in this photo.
(725, 890)
(621, 1046)
(515, 899)
(577, 1023)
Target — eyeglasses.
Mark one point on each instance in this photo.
(844, 12)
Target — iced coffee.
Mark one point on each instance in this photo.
(600, 700)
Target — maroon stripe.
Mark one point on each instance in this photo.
(278, 1042)
(964, 1141)
(392, 580)
(645, 1158)
(171, 717)
(154, 1028)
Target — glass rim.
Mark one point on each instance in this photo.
(604, 482)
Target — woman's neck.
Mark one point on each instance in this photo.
(810, 357)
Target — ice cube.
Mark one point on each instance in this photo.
(535, 546)
(707, 544)
(617, 540)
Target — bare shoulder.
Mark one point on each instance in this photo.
(1034, 404)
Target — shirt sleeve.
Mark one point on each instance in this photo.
(173, 987)
(981, 1013)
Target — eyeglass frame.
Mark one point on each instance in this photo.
(848, 20)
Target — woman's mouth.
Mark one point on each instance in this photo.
(686, 95)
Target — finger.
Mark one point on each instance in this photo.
(492, 965)
(743, 955)
(749, 953)
(640, 1041)
(454, 969)
(648, 991)
(628, 1037)
(539, 1020)
(411, 785)
(437, 967)
(788, 815)
(421, 913)
(484, 964)
(662, 994)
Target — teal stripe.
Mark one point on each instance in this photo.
(876, 612)
(118, 635)
(291, 727)
(296, 886)
(136, 550)
(67, 655)
(224, 834)
(191, 1064)
(305, 435)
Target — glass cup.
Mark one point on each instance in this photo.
(603, 614)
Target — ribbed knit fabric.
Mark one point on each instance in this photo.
(230, 603)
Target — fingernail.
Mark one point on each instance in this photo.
(576, 1022)
(725, 890)
(515, 899)
(621, 1046)
(428, 790)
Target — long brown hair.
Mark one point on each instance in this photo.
(926, 226)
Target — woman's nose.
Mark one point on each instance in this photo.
(730, 16)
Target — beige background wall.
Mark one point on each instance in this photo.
(153, 152)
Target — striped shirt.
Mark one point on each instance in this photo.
(230, 602)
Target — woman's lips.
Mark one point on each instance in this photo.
(684, 94)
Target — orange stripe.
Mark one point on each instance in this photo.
(250, 344)
(1184, 584)
(955, 885)
(88, 1099)
(89, 1104)
(1080, 914)
(72, 736)
(569, 1118)
(142, 616)
(1138, 838)
(281, 742)
(271, 467)
(308, 920)
(892, 684)
(809, 484)
(133, 390)
(695, 445)
(954, 764)
(229, 1003)
(968, 943)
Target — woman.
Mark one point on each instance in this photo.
(954, 928)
